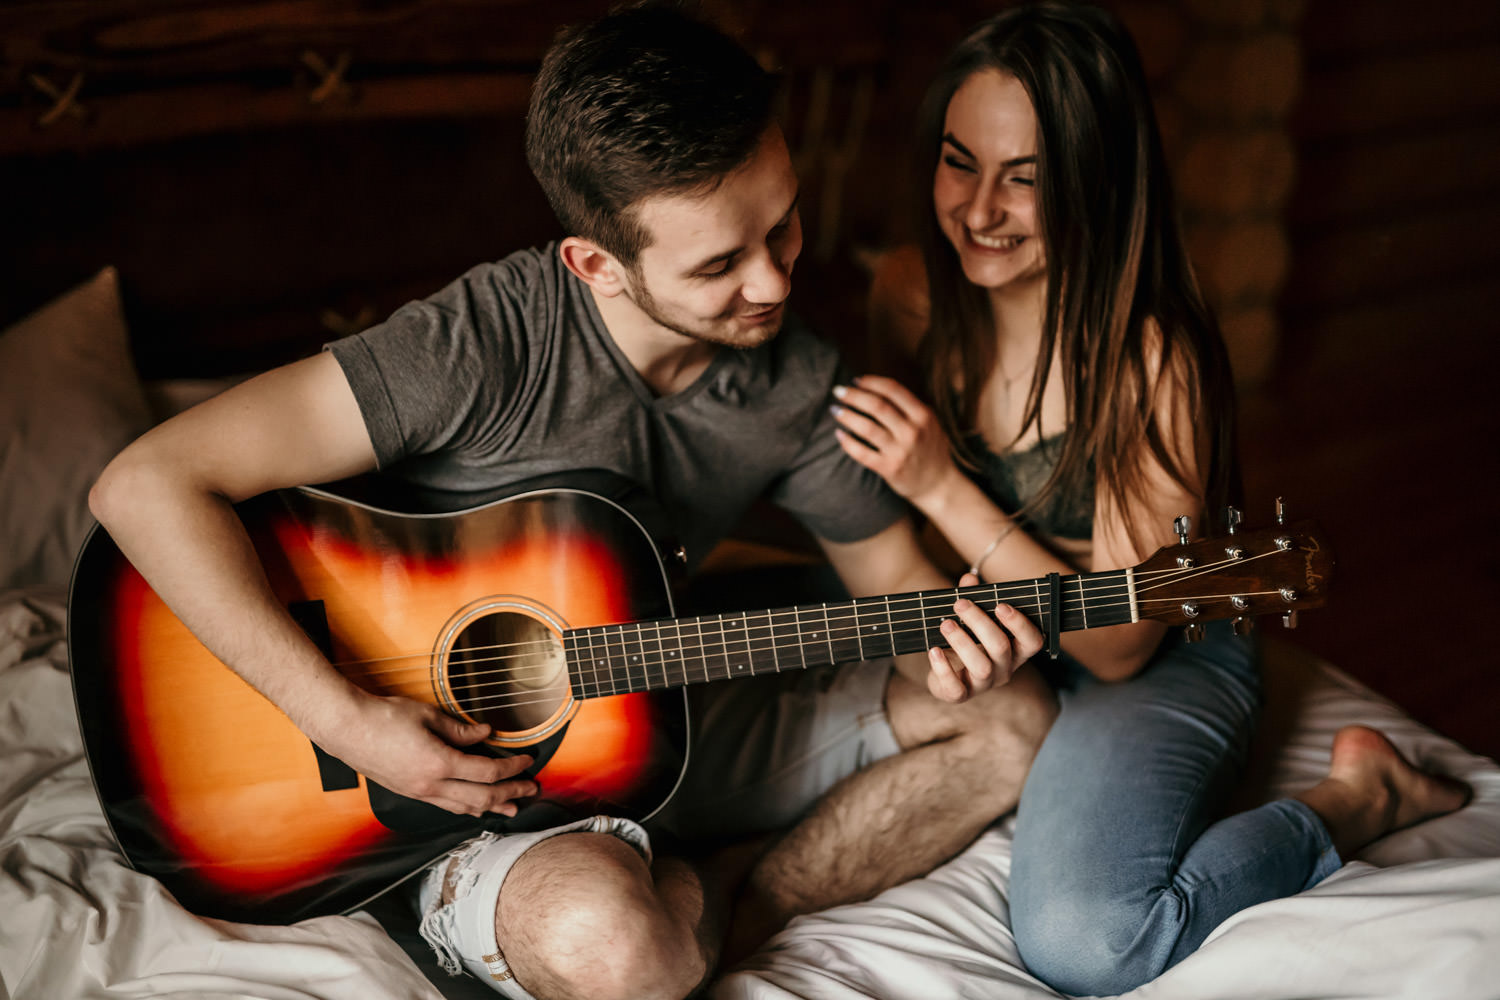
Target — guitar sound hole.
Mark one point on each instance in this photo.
(507, 669)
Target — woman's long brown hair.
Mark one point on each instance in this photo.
(1116, 262)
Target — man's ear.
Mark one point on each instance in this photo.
(595, 267)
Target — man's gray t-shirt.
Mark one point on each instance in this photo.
(509, 373)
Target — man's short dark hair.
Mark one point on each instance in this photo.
(646, 101)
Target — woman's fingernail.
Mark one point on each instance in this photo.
(839, 390)
(835, 409)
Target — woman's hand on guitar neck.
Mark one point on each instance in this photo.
(414, 749)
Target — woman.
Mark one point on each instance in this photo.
(1081, 398)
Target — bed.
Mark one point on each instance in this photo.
(261, 171)
(1417, 915)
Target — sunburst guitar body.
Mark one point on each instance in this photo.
(211, 789)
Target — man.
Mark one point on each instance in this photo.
(651, 342)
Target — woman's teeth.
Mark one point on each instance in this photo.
(997, 242)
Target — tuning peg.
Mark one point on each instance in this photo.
(1289, 620)
(1243, 625)
(1182, 524)
(1280, 511)
(1233, 517)
(1192, 632)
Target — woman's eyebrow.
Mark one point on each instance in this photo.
(1017, 161)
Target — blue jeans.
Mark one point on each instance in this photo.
(1122, 865)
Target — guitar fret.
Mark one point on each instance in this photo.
(675, 654)
(722, 648)
(570, 660)
(783, 626)
(609, 660)
(595, 657)
(843, 633)
(857, 636)
(702, 650)
(797, 631)
(1083, 602)
(828, 634)
(760, 645)
(660, 660)
(922, 610)
(620, 673)
(736, 662)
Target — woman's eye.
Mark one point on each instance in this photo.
(957, 164)
(1027, 181)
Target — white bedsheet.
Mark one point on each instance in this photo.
(76, 921)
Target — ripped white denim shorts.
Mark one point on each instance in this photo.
(763, 751)
(462, 933)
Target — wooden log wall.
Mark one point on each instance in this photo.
(1382, 412)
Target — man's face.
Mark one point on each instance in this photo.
(719, 264)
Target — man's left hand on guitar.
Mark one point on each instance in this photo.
(981, 653)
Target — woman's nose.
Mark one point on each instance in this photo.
(986, 208)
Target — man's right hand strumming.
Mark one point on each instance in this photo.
(415, 749)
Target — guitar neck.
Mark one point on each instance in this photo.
(673, 652)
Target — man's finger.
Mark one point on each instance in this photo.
(486, 770)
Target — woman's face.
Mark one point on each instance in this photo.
(984, 189)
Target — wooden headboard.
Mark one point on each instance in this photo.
(267, 174)
(264, 175)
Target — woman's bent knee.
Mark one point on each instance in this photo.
(1086, 947)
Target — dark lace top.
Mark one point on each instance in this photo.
(1012, 479)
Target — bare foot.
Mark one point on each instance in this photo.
(1371, 790)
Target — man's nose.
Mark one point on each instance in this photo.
(769, 280)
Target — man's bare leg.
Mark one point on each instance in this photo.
(583, 917)
(961, 767)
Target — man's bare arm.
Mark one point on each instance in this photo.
(167, 501)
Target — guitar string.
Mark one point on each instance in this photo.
(684, 667)
(607, 675)
(937, 604)
(1026, 591)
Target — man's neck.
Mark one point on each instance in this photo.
(668, 361)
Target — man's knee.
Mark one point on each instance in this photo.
(579, 916)
(1010, 720)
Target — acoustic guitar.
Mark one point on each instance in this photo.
(549, 616)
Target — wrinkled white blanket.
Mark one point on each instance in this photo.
(76, 921)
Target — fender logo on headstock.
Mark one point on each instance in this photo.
(1314, 578)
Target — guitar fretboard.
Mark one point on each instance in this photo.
(672, 652)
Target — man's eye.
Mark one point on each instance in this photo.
(716, 272)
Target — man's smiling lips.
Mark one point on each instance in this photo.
(760, 315)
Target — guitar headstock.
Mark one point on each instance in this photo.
(1279, 570)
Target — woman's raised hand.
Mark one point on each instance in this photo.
(887, 429)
